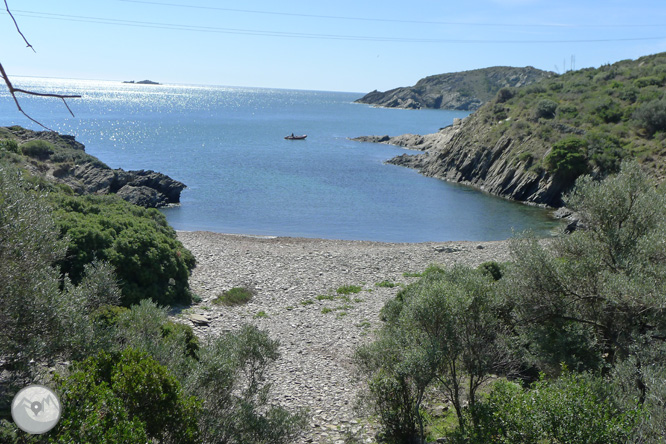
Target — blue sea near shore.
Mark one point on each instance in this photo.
(227, 144)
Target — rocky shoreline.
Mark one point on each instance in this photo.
(68, 163)
(295, 281)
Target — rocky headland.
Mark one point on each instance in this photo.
(454, 154)
(466, 90)
(63, 160)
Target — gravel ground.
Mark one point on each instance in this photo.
(317, 334)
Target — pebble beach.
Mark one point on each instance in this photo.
(296, 282)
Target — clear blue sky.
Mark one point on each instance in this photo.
(342, 45)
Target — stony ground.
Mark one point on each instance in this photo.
(296, 302)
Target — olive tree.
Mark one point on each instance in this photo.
(444, 331)
(607, 282)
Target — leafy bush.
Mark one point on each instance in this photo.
(574, 409)
(39, 149)
(651, 116)
(567, 159)
(230, 380)
(148, 259)
(234, 296)
(505, 94)
(143, 399)
(545, 108)
(10, 145)
(349, 289)
(609, 111)
(43, 316)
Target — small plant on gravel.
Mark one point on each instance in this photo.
(408, 274)
(325, 297)
(260, 314)
(307, 302)
(234, 296)
(349, 289)
(326, 310)
(364, 324)
(342, 314)
(358, 300)
(386, 284)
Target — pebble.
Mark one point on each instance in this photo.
(315, 368)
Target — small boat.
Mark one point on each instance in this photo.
(292, 137)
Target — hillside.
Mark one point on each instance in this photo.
(466, 90)
(530, 143)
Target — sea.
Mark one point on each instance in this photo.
(227, 145)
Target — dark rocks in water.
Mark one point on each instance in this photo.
(145, 188)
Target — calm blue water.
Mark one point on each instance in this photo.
(227, 145)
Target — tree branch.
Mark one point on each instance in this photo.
(13, 90)
(17, 27)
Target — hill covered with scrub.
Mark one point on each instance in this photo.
(466, 90)
(531, 143)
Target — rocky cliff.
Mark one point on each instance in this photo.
(466, 153)
(466, 90)
(63, 160)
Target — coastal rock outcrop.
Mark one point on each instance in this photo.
(460, 154)
(69, 164)
(466, 90)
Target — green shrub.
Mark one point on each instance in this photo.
(143, 395)
(172, 329)
(234, 296)
(143, 249)
(10, 145)
(609, 111)
(349, 289)
(567, 159)
(575, 409)
(386, 284)
(505, 94)
(492, 269)
(230, 379)
(545, 108)
(38, 149)
(651, 116)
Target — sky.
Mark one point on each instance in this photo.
(342, 45)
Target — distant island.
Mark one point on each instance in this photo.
(465, 91)
(142, 82)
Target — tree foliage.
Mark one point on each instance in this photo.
(443, 331)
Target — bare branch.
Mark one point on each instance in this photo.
(13, 92)
(17, 27)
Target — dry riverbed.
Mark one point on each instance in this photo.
(296, 301)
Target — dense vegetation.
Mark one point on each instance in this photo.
(604, 115)
(68, 264)
(565, 343)
(142, 248)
